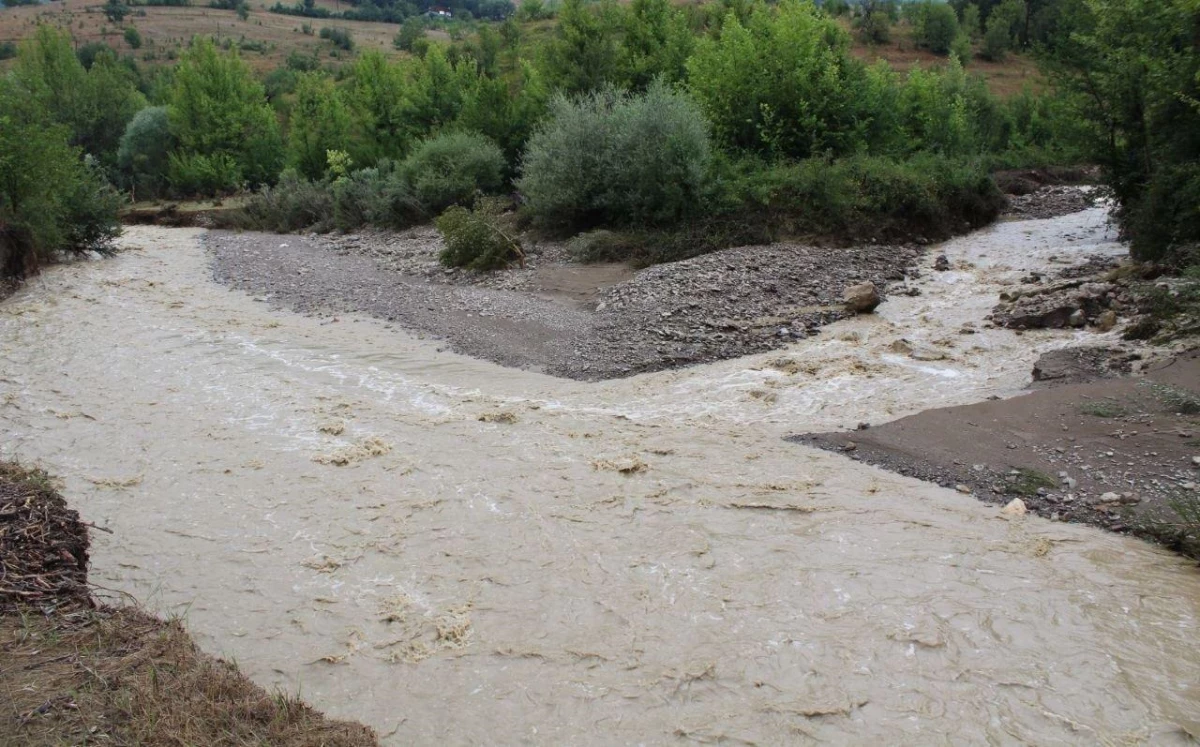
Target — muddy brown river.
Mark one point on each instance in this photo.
(458, 553)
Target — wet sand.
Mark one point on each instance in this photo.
(503, 556)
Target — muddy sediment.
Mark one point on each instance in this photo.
(1108, 450)
(636, 559)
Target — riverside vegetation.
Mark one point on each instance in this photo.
(651, 131)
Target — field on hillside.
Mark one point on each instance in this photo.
(267, 38)
(165, 30)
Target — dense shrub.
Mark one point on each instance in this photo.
(450, 168)
(51, 201)
(617, 159)
(378, 196)
(340, 38)
(866, 198)
(203, 174)
(133, 37)
(478, 239)
(143, 153)
(293, 204)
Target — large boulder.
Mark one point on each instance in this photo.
(861, 298)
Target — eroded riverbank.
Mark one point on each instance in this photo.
(504, 556)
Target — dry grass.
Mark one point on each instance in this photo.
(1003, 78)
(72, 673)
(170, 28)
(120, 676)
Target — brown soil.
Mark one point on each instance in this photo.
(71, 673)
(1085, 447)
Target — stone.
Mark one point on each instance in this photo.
(1077, 318)
(1109, 498)
(861, 298)
(850, 446)
(964, 489)
(1106, 321)
(942, 263)
(1015, 507)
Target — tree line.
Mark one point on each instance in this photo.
(694, 127)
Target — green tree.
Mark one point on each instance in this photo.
(970, 22)
(583, 54)
(375, 96)
(656, 44)
(50, 200)
(218, 111)
(115, 11)
(785, 84)
(411, 30)
(505, 110)
(874, 22)
(95, 104)
(133, 37)
(319, 123)
(1002, 26)
(142, 156)
(936, 26)
(1133, 72)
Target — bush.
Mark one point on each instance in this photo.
(133, 37)
(90, 210)
(610, 158)
(450, 168)
(478, 239)
(294, 204)
(865, 198)
(199, 174)
(143, 153)
(378, 196)
(339, 37)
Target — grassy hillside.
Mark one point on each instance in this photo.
(267, 38)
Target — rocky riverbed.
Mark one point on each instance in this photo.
(576, 321)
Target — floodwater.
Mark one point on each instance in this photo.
(455, 553)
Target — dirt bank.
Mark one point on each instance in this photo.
(1086, 447)
(74, 672)
(576, 321)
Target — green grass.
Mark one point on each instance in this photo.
(1103, 409)
(1028, 481)
(1176, 400)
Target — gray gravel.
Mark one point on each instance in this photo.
(714, 307)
